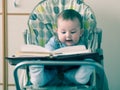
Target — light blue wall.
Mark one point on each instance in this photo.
(108, 18)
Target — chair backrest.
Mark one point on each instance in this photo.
(42, 20)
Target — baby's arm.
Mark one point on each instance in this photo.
(52, 44)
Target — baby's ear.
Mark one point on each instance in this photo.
(81, 31)
(56, 30)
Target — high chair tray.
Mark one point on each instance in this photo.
(15, 60)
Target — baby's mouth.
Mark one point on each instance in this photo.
(69, 41)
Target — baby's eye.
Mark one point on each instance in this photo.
(73, 32)
(63, 32)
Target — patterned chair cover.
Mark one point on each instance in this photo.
(42, 21)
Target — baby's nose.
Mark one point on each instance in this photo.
(68, 35)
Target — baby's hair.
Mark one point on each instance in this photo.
(70, 14)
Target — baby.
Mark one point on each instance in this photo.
(68, 33)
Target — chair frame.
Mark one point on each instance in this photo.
(99, 65)
(52, 63)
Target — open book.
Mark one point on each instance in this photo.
(38, 51)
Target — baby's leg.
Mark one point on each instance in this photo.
(40, 76)
(80, 75)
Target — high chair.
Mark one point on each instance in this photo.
(42, 23)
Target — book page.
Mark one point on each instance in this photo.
(72, 50)
(33, 48)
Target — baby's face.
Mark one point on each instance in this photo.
(69, 31)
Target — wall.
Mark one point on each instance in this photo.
(16, 25)
(1, 50)
(108, 18)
